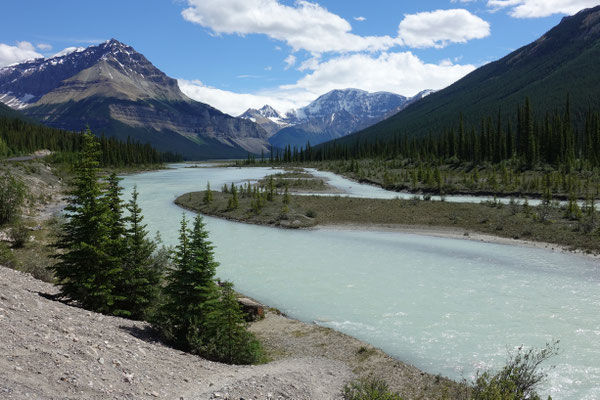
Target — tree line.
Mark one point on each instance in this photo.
(107, 264)
(21, 137)
(552, 140)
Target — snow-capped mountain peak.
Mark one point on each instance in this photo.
(269, 112)
(27, 82)
(338, 113)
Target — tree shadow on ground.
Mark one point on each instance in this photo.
(145, 333)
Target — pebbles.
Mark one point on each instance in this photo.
(52, 350)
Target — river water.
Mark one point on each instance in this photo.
(447, 306)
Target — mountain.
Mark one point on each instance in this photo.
(563, 61)
(332, 115)
(267, 117)
(115, 90)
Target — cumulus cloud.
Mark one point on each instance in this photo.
(442, 27)
(15, 54)
(401, 72)
(236, 103)
(304, 26)
(338, 58)
(308, 26)
(540, 8)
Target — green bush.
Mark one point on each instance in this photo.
(19, 235)
(12, 195)
(7, 258)
(39, 270)
(519, 379)
(369, 388)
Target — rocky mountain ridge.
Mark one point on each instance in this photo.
(561, 63)
(116, 91)
(335, 114)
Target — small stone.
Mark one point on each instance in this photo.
(19, 369)
(217, 395)
(128, 378)
(154, 394)
(101, 361)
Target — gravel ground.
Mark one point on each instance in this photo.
(50, 350)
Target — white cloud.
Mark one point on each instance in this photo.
(401, 72)
(360, 19)
(442, 27)
(236, 103)
(303, 26)
(289, 61)
(15, 54)
(541, 8)
(44, 46)
(308, 26)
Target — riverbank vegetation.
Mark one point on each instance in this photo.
(510, 154)
(567, 225)
(106, 263)
(519, 379)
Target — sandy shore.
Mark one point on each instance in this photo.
(460, 234)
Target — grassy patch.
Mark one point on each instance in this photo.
(369, 388)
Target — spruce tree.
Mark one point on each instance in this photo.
(141, 280)
(230, 341)
(208, 194)
(190, 292)
(115, 246)
(85, 271)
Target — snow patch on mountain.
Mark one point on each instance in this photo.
(67, 51)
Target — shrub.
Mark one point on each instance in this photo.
(369, 388)
(311, 214)
(19, 235)
(39, 270)
(12, 195)
(7, 258)
(518, 379)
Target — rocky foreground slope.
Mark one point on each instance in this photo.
(49, 350)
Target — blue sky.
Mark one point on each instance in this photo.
(234, 54)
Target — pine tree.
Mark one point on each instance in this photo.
(140, 281)
(116, 246)
(208, 195)
(190, 292)
(86, 272)
(230, 340)
(286, 196)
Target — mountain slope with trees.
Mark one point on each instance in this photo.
(563, 61)
(116, 91)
